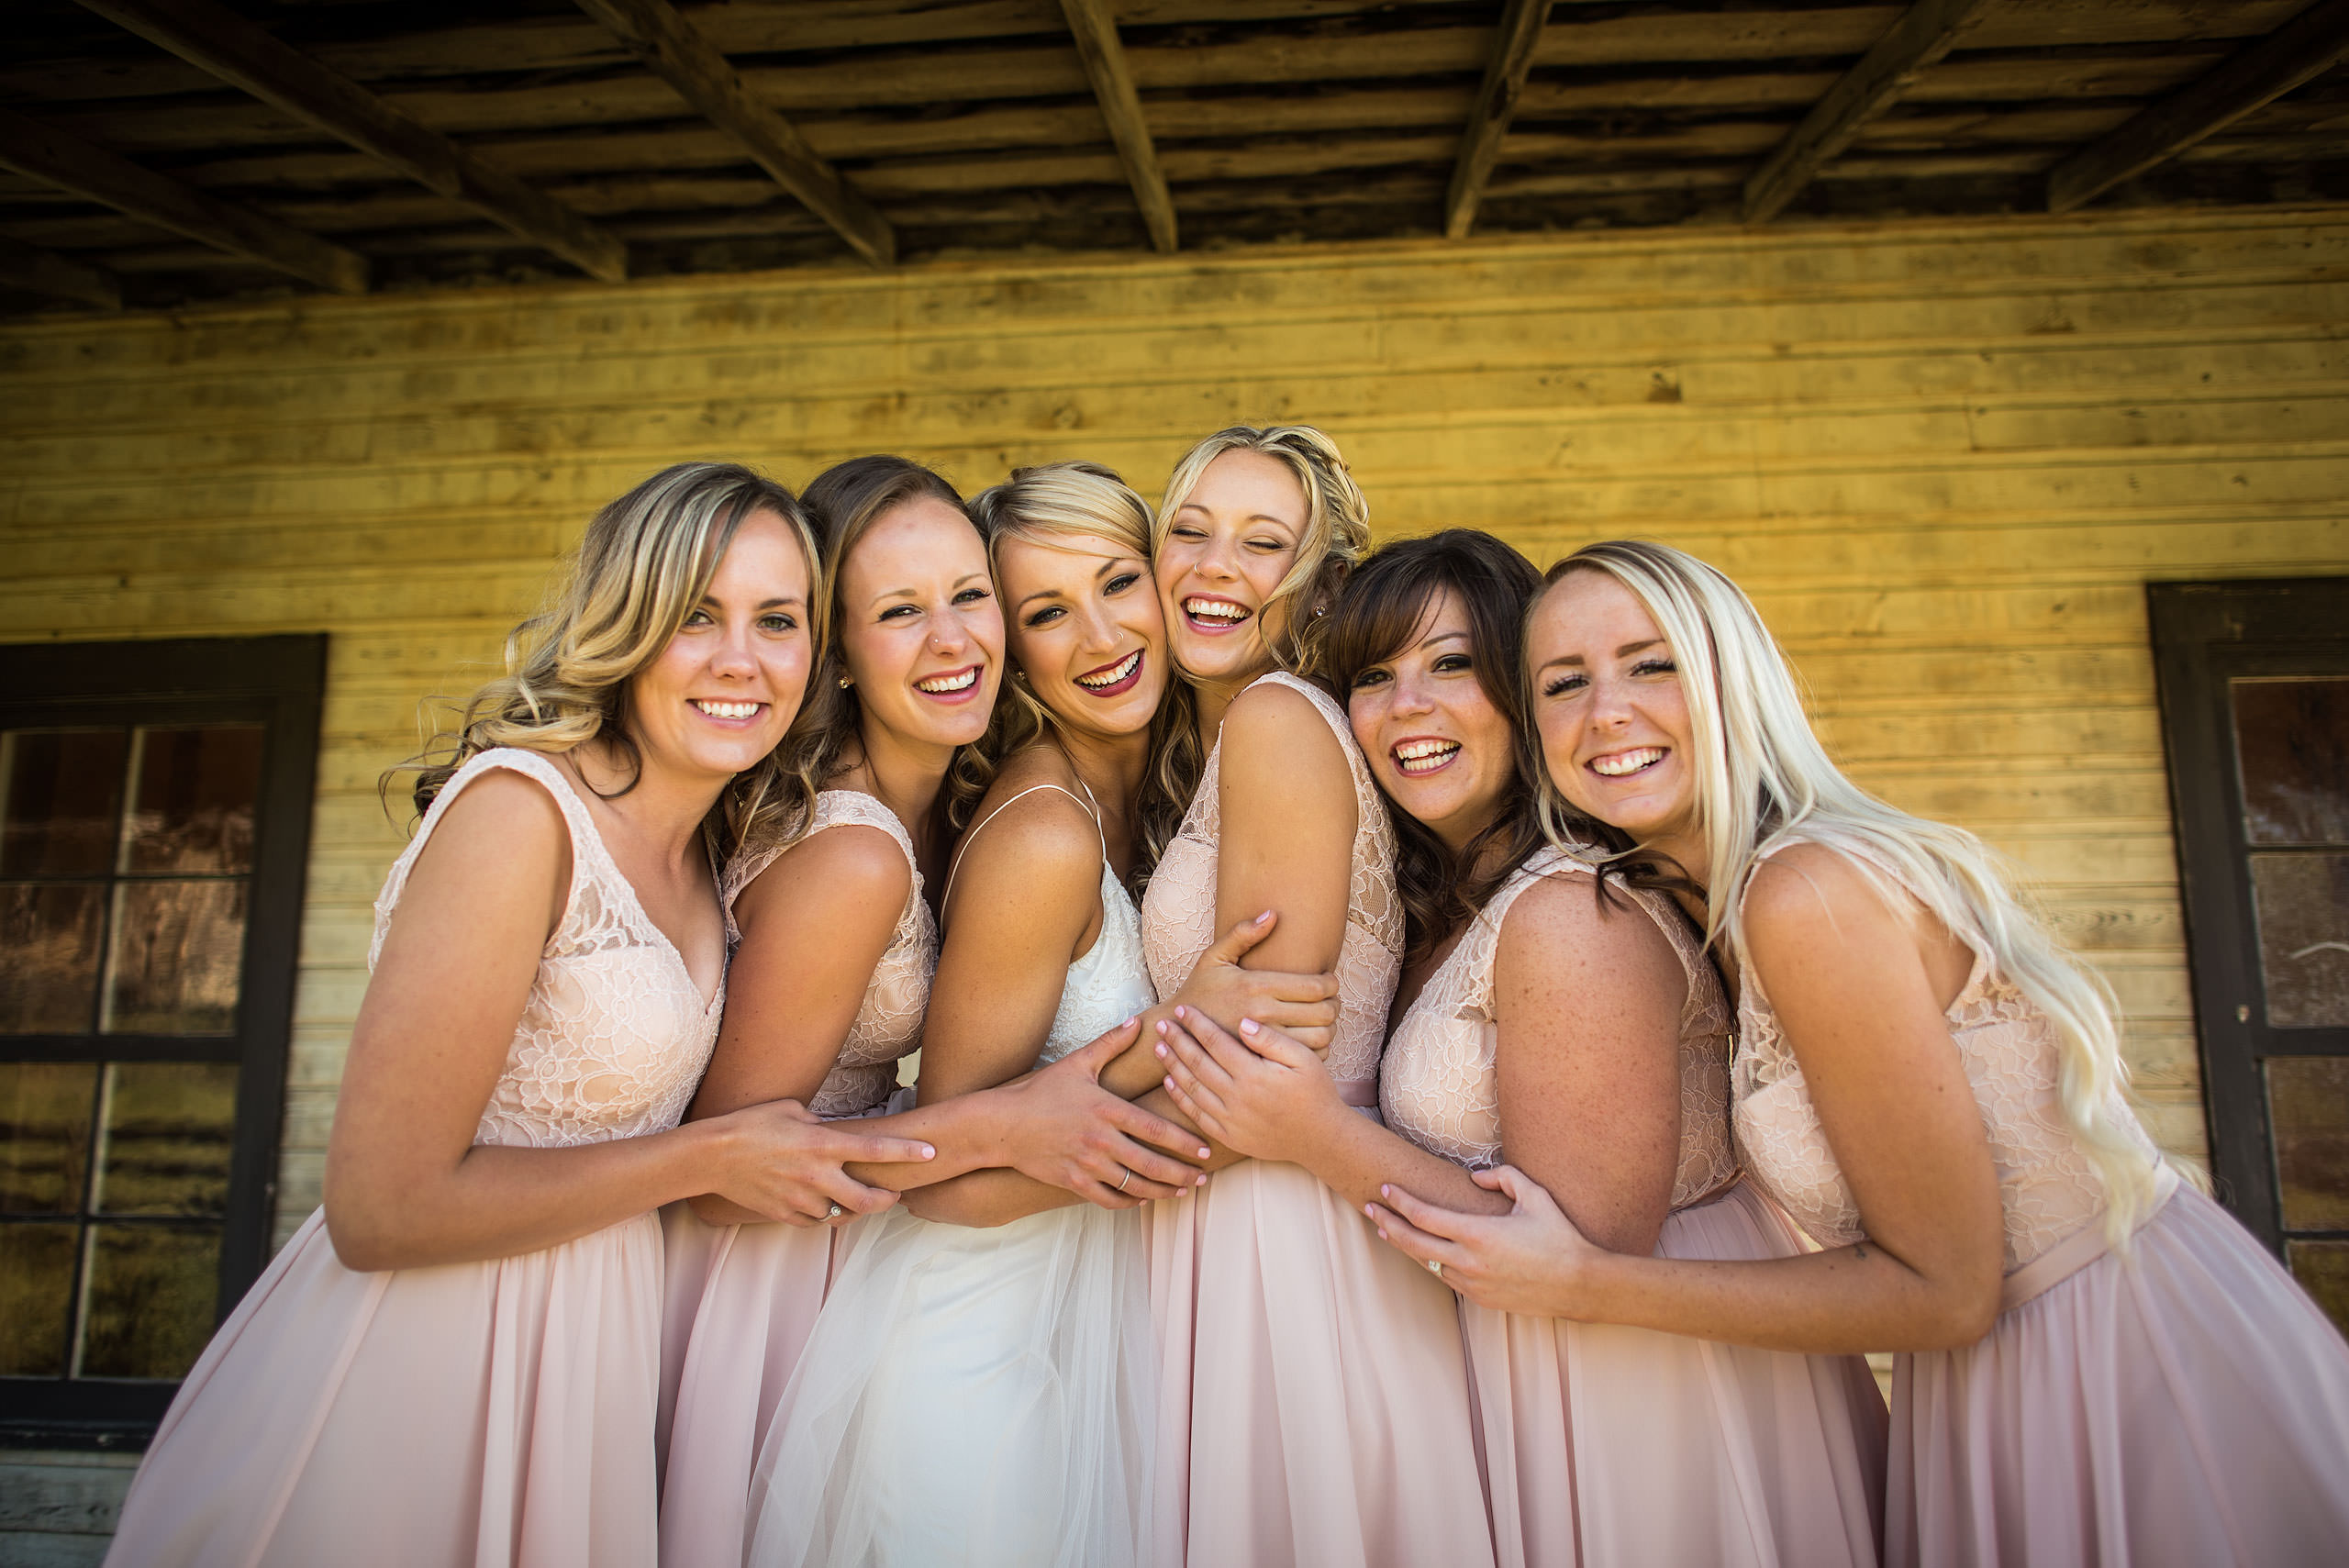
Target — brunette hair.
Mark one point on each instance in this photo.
(645, 562)
(1383, 604)
(844, 504)
(1047, 504)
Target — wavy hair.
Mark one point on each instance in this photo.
(1763, 779)
(1377, 613)
(1047, 504)
(1337, 531)
(645, 562)
(843, 503)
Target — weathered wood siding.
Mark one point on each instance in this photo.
(1946, 460)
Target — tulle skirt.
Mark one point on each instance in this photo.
(1609, 1446)
(969, 1397)
(2185, 1404)
(492, 1413)
(742, 1301)
(1313, 1394)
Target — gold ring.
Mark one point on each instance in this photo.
(1435, 1268)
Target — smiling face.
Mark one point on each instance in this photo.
(920, 632)
(1227, 548)
(1437, 743)
(1085, 630)
(729, 682)
(1612, 715)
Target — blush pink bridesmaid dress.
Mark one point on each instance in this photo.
(481, 1414)
(1609, 1447)
(1313, 1403)
(743, 1298)
(2183, 1404)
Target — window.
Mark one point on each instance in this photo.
(2255, 685)
(154, 825)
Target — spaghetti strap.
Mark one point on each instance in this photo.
(1091, 809)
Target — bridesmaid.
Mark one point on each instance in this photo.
(456, 1359)
(832, 977)
(1312, 1403)
(1583, 1035)
(2098, 1366)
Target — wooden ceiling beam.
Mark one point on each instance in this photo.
(1925, 32)
(1096, 32)
(48, 154)
(2310, 43)
(1480, 147)
(35, 270)
(219, 40)
(677, 53)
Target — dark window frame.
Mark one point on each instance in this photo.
(2204, 635)
(279, 681)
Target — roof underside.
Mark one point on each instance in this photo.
(975, 125)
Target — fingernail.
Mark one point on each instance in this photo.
(928, 1152)
(1386, 1192)
(1264, 916)
(1247, 1026)
(1201, 1180)
(1161, 1049)
(1370, 1211)
(1204, 1154)
(1161, 1026)
(1182, 1012)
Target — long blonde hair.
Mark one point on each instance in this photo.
(645, 562)
(1763, 779)
(1337, 527)
(1065, 503)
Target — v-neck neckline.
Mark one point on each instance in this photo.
(636, 900)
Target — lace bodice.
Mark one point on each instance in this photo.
(1437, 1086)
(888, 1024)
(614, 1034)
(1178, 912)
(2013, 1059)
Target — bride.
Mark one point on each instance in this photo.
(977, 1387)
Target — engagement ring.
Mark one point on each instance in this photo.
(834, 1212)
(1435, 1268)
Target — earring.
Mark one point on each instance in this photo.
(846, 682)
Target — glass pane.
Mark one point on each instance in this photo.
(2322, 1268)
(179, 948)
(36, 1286)
(2307, 1106)
(2303, 907)
(63, 792)
(152, 1289)
(44, 1135)
(2292, 746)
(50, 935)
(170, 1127)
(194, 811)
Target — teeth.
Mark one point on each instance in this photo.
(728, 709)
(1215, 609)
(1425, 756)
(962, 682)
(1623, 762)
(1117, 673)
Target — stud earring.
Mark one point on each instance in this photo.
(846, 682)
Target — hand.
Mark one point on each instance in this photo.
(786, 1164)
(1068, 1131)
(1303, 1005)
(1259, 1098)
(1531, 1261)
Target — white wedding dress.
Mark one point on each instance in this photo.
(978, 1398)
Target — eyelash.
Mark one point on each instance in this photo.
(1644, 667)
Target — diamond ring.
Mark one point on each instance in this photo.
(834, 1212)
(1435, 1268)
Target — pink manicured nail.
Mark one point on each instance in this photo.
(1264, 916)
(928, 1152)
(1204, 1154)
(1161, 1050)
(1247, 1026)
(1370, 1210)
(1384, 1191)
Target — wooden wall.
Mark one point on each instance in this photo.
(1946, 460)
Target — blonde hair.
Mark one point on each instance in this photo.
(1337, 527)
(1059, 505)
(643, 565)
(1762, 781)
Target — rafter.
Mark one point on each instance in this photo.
(35, 270)
(1096, 31)
(1480, 149)
(219, 40)
(2310, 43)
(1925, 32)
(46, 153)
(677, 53)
